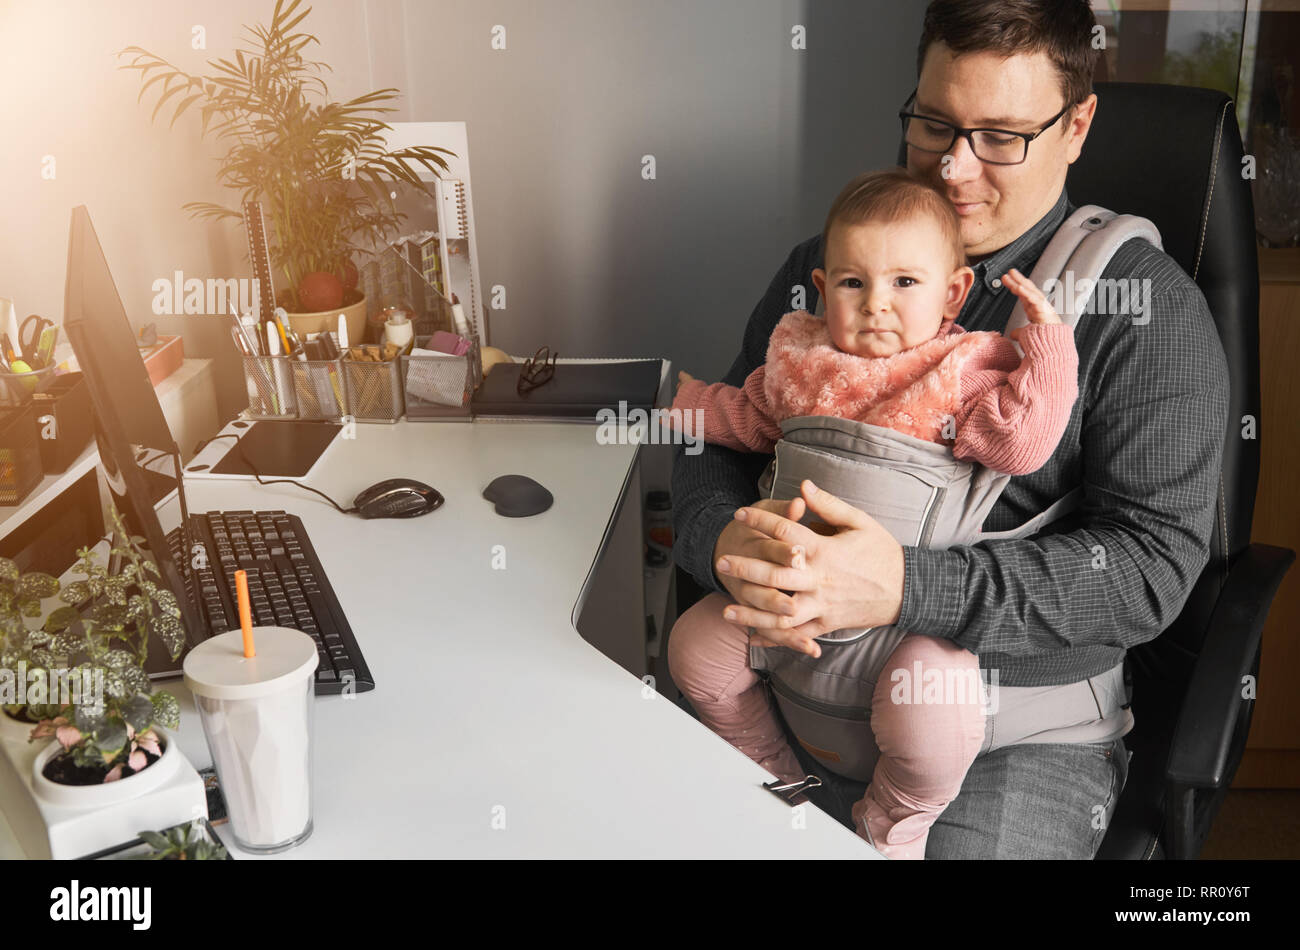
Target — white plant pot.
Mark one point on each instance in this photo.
(107, 793)
(12, 730)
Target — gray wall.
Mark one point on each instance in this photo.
(752, 139)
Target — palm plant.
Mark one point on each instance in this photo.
(320, 169)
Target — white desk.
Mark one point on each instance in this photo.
(488, 704)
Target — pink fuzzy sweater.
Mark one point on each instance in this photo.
(1009, 414)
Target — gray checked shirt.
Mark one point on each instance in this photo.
(1145, 440)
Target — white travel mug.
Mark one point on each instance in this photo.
(257, 716)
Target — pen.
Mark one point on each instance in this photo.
(284, 337)
(248, 326)
(242, 327)
(343, 333)
(240, 343)
(279, 399)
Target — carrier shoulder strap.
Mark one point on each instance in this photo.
(1075, 258)
(1079, 251)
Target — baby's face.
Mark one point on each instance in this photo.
(889, 286)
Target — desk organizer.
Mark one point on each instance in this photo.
(64, 422)
(318, 388)
(374, 390)
(17, 388)
(439, 388)
(270, 387)
(20, 456)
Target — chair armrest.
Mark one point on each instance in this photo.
(1202, 738)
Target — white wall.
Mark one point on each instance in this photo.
(751, 139)
(65, 97)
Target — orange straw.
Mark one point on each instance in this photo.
(245, 613)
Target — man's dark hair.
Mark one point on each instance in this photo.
(1063, 29)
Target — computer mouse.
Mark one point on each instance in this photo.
(397, 498)
(518, 496)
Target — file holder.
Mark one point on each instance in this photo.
(440, 388)
(64, 422)
(318, 387)
(374, 390)
(270, 388)
(20, 456)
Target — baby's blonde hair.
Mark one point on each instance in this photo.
(894, 195)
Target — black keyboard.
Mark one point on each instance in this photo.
(286, 587)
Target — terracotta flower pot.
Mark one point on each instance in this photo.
(355, 314)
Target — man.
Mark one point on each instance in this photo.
(1144, 441)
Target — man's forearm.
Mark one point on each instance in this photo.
(1019, 597)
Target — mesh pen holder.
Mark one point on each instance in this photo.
(16, 389)
(440, 387)
(374, 390)
(319, 388)
(269, 381)
(20, 454)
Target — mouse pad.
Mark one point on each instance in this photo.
(279, 449)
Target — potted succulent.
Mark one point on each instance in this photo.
(320, 169)
(111, 734)
(189, 842)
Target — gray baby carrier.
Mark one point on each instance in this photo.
(923, 496)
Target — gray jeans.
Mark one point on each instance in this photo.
(1033, 800)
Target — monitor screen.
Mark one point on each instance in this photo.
(138, 454)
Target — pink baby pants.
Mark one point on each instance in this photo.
(925, 748)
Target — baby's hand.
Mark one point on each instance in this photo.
(683, 378)
(1037, 309)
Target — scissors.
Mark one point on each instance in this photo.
(29, 344)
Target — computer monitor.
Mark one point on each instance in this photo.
(139, 456)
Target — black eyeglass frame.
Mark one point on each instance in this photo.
(967, 134)
(537, 371)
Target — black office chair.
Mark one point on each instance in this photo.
(1173, 154)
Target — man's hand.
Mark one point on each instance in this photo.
(741, 543)
(853, 578)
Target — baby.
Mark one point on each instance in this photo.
(888, 353)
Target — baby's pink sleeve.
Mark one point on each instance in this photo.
(738, 419)
(1012, 421)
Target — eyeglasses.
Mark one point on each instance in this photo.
(537, 371)
(994, 146)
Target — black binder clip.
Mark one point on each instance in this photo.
(789, 791)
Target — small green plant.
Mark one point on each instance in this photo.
(101, 634)
(20, 597)
(293, 150)
(182, 843)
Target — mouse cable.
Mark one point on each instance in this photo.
(239, 447)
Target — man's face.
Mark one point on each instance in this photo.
(890, 285)
(997, 203)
